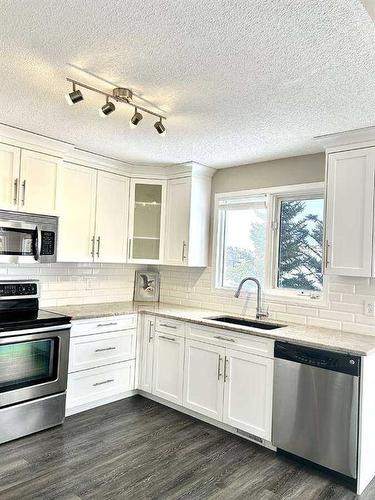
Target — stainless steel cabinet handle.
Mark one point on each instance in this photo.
(226, 361)
(150, 326)
(130, 248)
(93, 246)
(23, 192)
(106, 324)
(219, 374)
(167, 338)
(227, 339)
(15, 191)
(326, 249)
(183, 251)
(104, 382)
(98, 249)
(105, 349)
(168, 326)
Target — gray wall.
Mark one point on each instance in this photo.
(287, 171)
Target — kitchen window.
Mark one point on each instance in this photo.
(275, 236)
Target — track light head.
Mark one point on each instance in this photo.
(107, 109)
(74, 97)
(160, 127)
(135, 119)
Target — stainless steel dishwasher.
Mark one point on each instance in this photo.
(316, 400)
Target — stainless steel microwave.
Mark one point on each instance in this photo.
(27, 238)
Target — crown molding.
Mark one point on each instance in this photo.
(348, 139)
(25, 139)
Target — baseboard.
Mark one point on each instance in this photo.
(208, 420)
(99, 402)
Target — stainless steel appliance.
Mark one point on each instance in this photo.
(27, 238)
(316, 401)
(34, 350)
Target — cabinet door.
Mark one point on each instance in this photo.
(349, 216)
(168, 367)
(76, 197)
(111, 229)
(146, 221)
(38, 179)
(9, 176)
(177, 222)
(203, 379)
(147, 353)
(248, 393)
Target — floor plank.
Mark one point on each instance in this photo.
(138, 449)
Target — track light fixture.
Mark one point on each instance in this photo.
(160, 127)
(107, 109)
(74, 97)
(135, 119)
(119, 94)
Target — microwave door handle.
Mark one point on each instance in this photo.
(38, 243)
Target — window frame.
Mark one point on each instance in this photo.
(274, 197)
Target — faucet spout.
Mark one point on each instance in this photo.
(259, 311)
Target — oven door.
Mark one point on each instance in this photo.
(19, 242)
(33, 364)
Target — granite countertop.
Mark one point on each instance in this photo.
(311, 336)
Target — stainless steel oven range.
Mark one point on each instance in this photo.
(34, 350)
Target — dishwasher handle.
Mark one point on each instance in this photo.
(328, 360)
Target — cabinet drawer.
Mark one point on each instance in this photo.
(226, 338)
(171, 326)
(98, 383)
(101, 325)
(91, 351)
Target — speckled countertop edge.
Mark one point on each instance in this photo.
(323, 338)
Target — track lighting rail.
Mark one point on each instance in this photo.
(115, 98)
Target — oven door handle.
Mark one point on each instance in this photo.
(38, 243)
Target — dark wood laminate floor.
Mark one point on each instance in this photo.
(138, 449)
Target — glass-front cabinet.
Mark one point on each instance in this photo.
(146, 224)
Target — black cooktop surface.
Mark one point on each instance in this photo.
(26, 319)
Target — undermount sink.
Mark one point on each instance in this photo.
(261, 325)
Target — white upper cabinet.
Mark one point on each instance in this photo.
(146, 221)
(9, 176)
(28, 180)
(76, 201)
(187, 221)
(248, 393)
(112, 202)
(38, 180)
(349, 212)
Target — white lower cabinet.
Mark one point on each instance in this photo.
(90, 386)
(168, 369)
(203, 374)
(101, 361)
(228, 384)
(248, 393)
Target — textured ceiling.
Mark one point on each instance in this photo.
(241, 80)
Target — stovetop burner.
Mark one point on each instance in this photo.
(19, 307)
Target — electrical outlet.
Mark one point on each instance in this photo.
(369, 308)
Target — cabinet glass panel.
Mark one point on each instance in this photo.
(147, 217)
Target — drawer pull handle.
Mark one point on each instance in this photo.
(105, 324)
(104, 382)
(224, 338)
(105, 349)
(168, 326)
(167, 338)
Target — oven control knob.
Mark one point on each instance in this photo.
(352, 362)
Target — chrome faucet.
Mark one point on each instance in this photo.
(260, 313)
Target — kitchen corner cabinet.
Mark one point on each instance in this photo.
(349, 212)
(147, 333)
(93, 207)
(28, 180)
(146, 221)
(187, 221)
